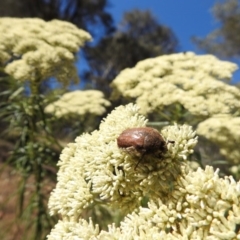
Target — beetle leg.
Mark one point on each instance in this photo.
(141, 158)
(170, 141)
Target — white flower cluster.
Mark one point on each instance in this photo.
(186, 79)
(79, 103)
(70, 230)
(202, 206)
(95, 170)
(33, 50)
(224, 130)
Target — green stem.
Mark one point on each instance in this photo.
(37, 164)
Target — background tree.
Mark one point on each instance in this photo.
(224, 41)
(86, 14)
(139, 36)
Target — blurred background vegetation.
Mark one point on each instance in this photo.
(31, 141)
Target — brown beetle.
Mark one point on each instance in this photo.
(142, 141)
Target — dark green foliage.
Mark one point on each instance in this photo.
(33, 155)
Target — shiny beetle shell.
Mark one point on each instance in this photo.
(142, 141)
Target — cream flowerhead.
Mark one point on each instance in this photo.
(95, 169)
(79, 103)
(187, 80)
(73, 230)
(183, 204)
(224, 130)
(203, 206)
(33, 50)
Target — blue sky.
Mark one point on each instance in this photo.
(186, 18)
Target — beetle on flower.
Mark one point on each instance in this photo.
(142, 141)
